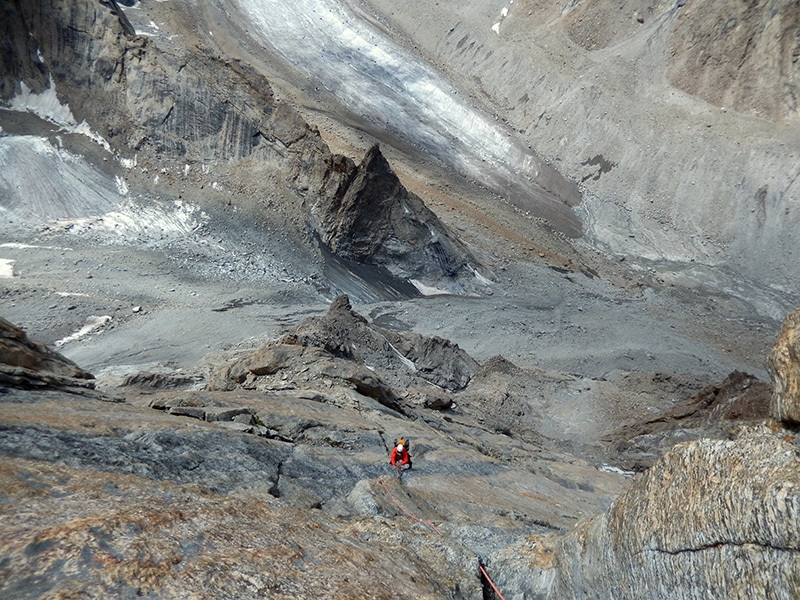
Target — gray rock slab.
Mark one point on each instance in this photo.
(226, 414)
(188, 411)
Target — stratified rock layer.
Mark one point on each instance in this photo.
(711, 519)
(783, 363)
(24, 363)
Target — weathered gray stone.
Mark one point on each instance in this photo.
(245, 419)
(159, 403)
(242, 427)
(437, 401)
(783, 364)
(188, 411)
(376, 221)
(227, 413)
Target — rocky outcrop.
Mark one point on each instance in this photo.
(712, 412)
(344, 346)
(24, 363)
(710, 519)
(783, 363)
(376, 221)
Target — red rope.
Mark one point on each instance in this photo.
(428, 523)
(489, 579)
(432, 526)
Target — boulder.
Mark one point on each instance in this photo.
(783, 364)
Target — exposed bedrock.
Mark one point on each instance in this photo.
(343, 346)
(24, 363)
(711, 518)
(783, 363)
(375, 220)
(710, 413)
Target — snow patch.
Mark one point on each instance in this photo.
(129, 163)
(496, 28)
(6, 268)
(406, 361)
(47, 106)
(122, 187)
(93, 323)
(427, 290)
(18, 246)
(137, 221)
(609, 469)
(480, 277)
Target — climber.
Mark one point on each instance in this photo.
(400, 454)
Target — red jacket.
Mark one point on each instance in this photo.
(399, 456)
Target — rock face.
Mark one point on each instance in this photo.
(710, 519)
(177, 110)
(377, 221)
(783, 363)
(283, 491)
(719, 56)
(281, 463)
(764, 36)
(24, 363)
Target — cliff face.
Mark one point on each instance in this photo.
(177, 103)
(176, 110)
(710, 518)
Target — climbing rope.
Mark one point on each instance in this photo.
(489, 579)
(432, 526)
(428, 523)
